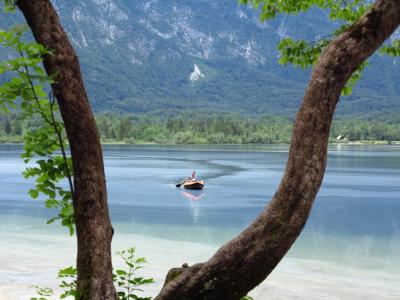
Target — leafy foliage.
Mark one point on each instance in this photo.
(346, 11)
(126, 281)
(304, 53)
(68, 283)
(68, 277)
(300, 53)
(393, 49)
(42, 293)
(128, 284)
(9, 5)
(27, 87)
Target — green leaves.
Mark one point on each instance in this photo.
(126, 281)
(353, 80)
(300, 53)
(304, 53)
(128, 285)
(34, 193)
(392, 50)
(271, 8)
(9, 5)
(43, 293)
(348, 11)
(28, 87)
(68, 282)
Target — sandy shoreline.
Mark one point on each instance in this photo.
(35, 261)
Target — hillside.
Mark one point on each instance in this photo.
(147, 56)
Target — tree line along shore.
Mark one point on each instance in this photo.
(208, 128)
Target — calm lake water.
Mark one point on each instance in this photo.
(355, 222)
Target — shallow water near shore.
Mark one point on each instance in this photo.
(349, 249)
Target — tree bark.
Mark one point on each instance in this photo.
(244, 262)
(93, 226)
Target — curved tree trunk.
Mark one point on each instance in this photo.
(244, 262)
(93, 226)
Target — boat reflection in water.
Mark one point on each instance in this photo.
(193, 197)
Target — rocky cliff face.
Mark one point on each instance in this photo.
(149, 55)
(199, 29)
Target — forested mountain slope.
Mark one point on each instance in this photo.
(146, 56)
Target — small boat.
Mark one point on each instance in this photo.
(193, 185)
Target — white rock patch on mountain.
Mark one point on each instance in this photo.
(196, 74)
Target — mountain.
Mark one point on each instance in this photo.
(147, 56)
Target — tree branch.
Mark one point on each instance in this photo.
(244, 262)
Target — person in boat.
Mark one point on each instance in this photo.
(193, 178)
(189, 179)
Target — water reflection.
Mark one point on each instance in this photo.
(193, 197)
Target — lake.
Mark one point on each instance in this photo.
(349, 249)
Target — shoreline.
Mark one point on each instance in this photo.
(293, 279)
(352, 143)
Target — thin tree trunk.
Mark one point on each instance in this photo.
(243, 263)
(93, 226)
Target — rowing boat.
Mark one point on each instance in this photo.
(193, 185)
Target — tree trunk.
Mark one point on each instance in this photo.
(93, 226)
(244, 262)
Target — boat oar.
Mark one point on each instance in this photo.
(179, 184)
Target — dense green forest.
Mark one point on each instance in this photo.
(211, 128)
